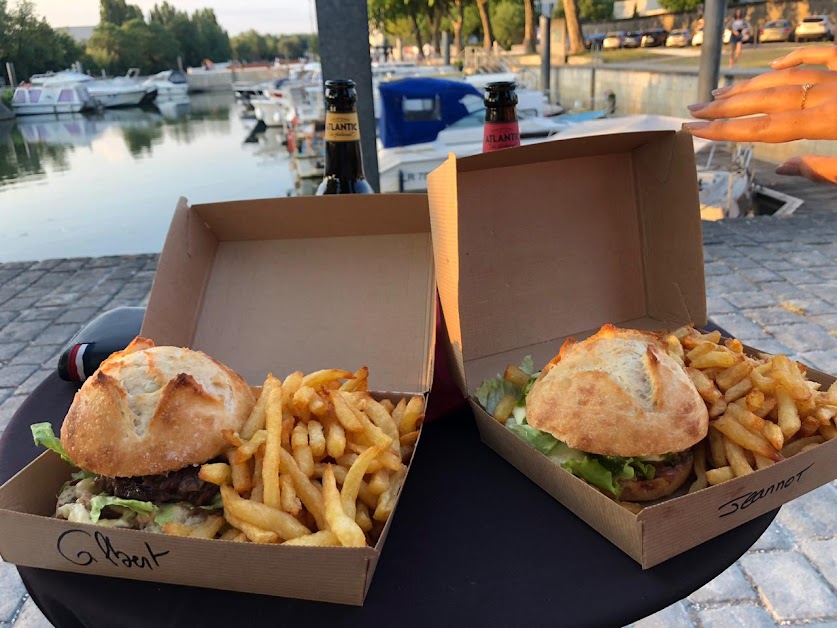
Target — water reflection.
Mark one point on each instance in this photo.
(76, 185)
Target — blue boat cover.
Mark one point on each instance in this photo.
(414, 110)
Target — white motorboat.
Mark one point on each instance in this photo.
(169, 84)
(115, 92)
(34, 100)
(423, 120)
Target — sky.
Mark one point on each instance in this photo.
(236, 16)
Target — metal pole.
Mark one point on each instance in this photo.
(546, 53)
(343, 27)
(710, 52)
(10, 70)
(445, 48)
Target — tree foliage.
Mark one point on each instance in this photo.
(253, 46)
(31, 44)
(117, 12)
(508, 18)
(681, 5)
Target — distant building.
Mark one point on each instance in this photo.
(625, 9)
(80, 33)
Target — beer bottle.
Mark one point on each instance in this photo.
(343, 160)
(500, 130)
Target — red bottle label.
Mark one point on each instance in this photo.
(497, 135)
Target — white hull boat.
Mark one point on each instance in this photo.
(272, 112)
(116, 92)
(171, 84)
(51, 100)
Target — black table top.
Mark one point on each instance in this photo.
(474, 542)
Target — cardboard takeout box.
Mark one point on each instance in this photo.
(543, 242)
(265, 285)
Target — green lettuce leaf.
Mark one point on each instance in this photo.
(492, 390)
(541, 441)
(44, 436)
(215, 505)
(592, 471)
(528, 365)
(102, 501)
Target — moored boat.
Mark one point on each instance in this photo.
(34, 100)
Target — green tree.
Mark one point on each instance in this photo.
(117, 12)
(215, 39)
(508, 17)
(595, 10)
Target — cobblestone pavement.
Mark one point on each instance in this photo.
(771, 282)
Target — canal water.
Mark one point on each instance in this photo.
(107, 183)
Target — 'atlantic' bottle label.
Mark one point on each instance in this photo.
(342, 127)
(497, 135)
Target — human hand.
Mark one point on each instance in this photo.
(797, 103)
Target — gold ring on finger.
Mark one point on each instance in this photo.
(805, 89)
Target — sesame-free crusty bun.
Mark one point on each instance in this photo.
(618, 393)
(149, 410)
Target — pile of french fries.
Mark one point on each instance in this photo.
(762, 409)
(319, 462)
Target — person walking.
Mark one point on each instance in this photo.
(736, 37)
(796, 102)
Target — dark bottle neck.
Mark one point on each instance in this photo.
(501, 114)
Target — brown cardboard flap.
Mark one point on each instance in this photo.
(673, 526)
(284, 284)
(327, 574)
(550, 240)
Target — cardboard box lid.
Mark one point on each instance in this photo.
(276, 285)
(541, 242)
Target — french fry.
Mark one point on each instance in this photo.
(734, 345)
(791, 449)
(716, 448)
(789, 419)
(230, 534)
(290, 385)
(241, 476)
(335, 438)
(773, 434)
(409, 438)
(257, 494)
(386, 501)
(700, 349)
(232, 437)
(344, 527)
(262, 516)
(810, 425)
(705, 386)
(824, 414)
(754, 400)
(828, 432)
(351, 485)
(737, 433)
(746, 418)
(516, 375)
(504, 408)
(247, 449)
(383, 420)
(205, 530)
(301, 402)
(762, 462)
(309, 493)
(766, 408)
(413, 413)
(253, 533)
(216, 473)
(362, 517)
(722, 359)
(790, 377)
(388, 405)
(765, 384)
(683, 332)
(273, 447)
(718, 408)
(700, 468)
(674, 348)
(318, 379)
(255, 421)
(323, 538)
(300, 449)
(347, 418)
(379, 481)
(719, 475)
(375, 434)
(316, 439)
(738, 390)
(386, 459)
(360, 381)
(737, 460)
(733, 375)
(290, 502)
(398, 413)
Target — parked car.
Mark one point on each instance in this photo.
(654, 37)
(776, 30)
(815, 27)
(697, 38)
(613, 40)
(594, 41)
(679, 38)
(746, 34)
(632, 39)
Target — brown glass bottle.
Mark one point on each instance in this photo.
(343, 158)
(500, 130)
